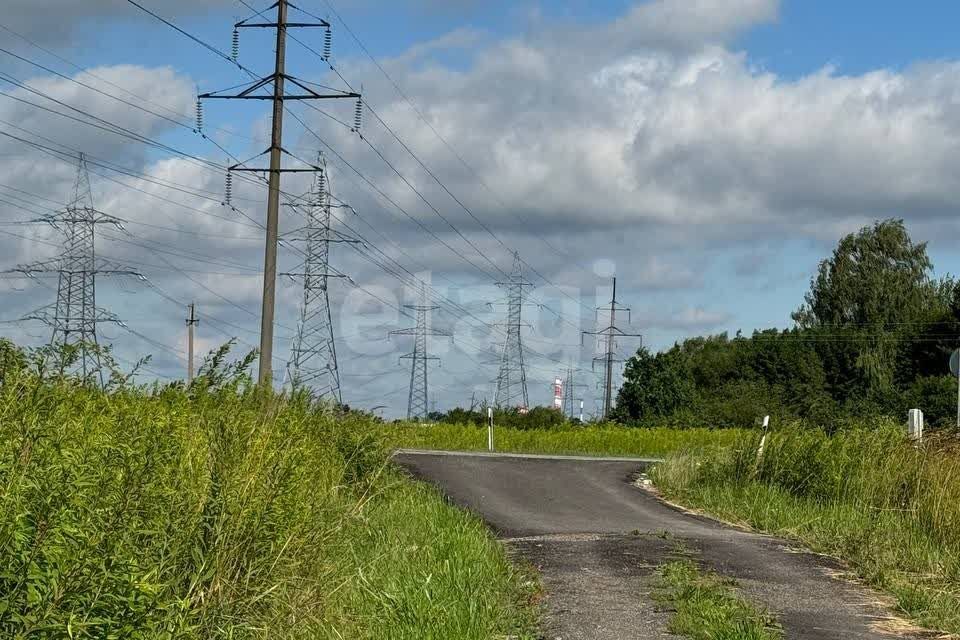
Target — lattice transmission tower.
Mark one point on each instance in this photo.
(569, 394)
(313, 361)
(75, 315)
(417, 405)
(512, 378)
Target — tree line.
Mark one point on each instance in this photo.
(873, 336)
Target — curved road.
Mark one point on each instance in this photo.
(597, 539)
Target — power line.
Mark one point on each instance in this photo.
(329, 148)
(136, 4)
(444, 141)
(278, 79)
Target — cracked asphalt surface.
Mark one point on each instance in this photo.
(597, 539)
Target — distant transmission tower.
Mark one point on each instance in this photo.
(417, 403)
(74, 316)
(313, 362)
(569, 394)
(512, 379)
(609, 335)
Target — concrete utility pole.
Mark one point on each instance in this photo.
(192, 321)
(278, 79)
(610, 334)
(273, 204)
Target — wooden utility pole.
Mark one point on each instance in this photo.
(278, 79)
(192, 321)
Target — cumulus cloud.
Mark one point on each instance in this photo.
(661, 140)
(49, 113)
(689, 23)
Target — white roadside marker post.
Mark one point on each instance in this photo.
(915, 424)
(490, 429)
(763, 440)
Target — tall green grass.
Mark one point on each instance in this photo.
(606, 440)
(217, 512)
(870, 496)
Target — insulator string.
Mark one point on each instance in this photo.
(358, 116)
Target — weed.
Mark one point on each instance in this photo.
(705, 606)
(217, 511)
(869, 496)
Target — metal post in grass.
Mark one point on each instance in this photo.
(955, 370)
(490, 428)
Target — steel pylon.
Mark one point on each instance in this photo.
(313, 361)
(569, 394)
(512, 377)
(417, 402)
(75, 315)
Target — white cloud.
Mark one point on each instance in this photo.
(656, 140)
(51, 175)
(690, 23)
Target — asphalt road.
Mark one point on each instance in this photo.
(597, 540)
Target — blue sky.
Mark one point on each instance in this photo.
(713, 151)
(855, 35)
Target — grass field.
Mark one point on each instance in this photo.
(870, 497)
(218, 513)
(609, 440)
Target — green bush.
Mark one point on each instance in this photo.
(936, 396)
(220, 512)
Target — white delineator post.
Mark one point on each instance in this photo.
(915, 424)
(490, 428)
(581, 412)
(763, 440)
